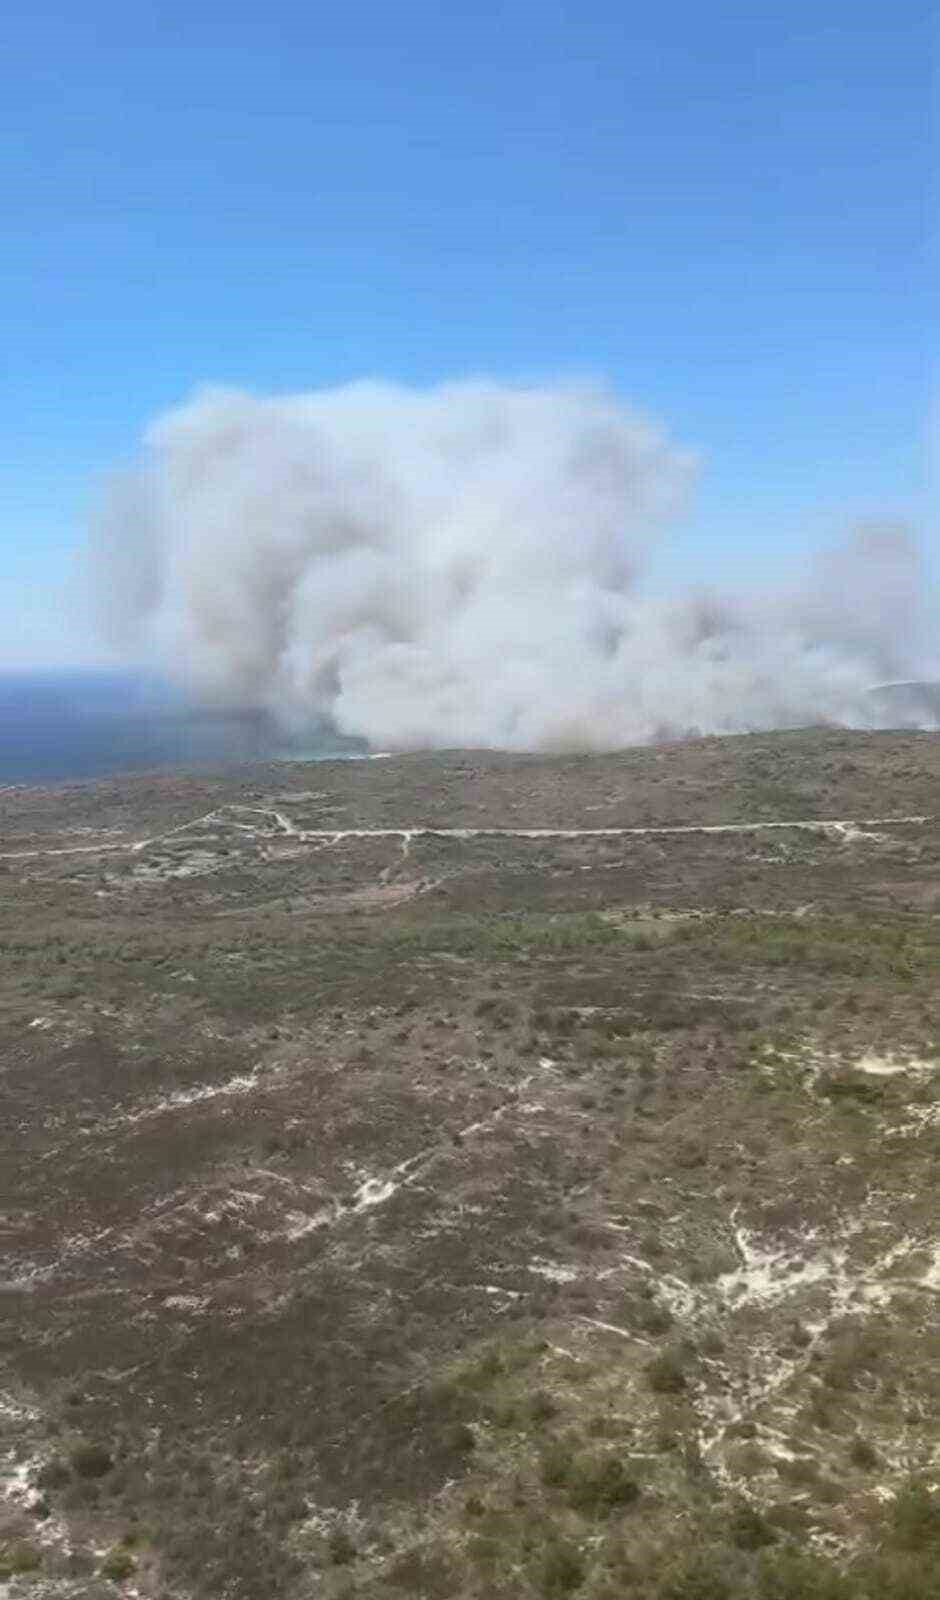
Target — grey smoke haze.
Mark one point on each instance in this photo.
(463, 566)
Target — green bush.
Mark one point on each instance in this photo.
(460, 1438)
(18, 1558)
(855, 1351)
(556, 1465)
(862, 1454)
(598, 1484)
(427, 1572)
(846, 1085)
(703, 1575)
(654, 1320)
(53, 1474)
(914, 1518)
(665, 1374)
(341, 1547)
(542, 1407)
(789, 1574)
(485, 1550)
(748, 1530)
(118, 1564)
(91, 1460)
(562, 1570)
(888, 1577)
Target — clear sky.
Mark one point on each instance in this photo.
(720, 208)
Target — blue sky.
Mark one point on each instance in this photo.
(718, 208)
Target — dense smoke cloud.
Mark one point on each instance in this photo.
(462, 567)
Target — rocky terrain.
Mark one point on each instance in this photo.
(475, 1176)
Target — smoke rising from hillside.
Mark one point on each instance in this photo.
(463, 566)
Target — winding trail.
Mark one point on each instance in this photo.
(848, 828)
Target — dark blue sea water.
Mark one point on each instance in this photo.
(60, 726)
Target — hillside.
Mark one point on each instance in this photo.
(475, 1176)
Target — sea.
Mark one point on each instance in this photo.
(57, 727)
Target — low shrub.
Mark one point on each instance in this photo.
(17, 1558)
(118, 1564)
(341, 1547)
(748, 1529)
(562, 1570)
(914, 1518)
(599, 1484)
(91, 1460)
(665, 1374)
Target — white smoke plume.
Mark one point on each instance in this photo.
(463, 567)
